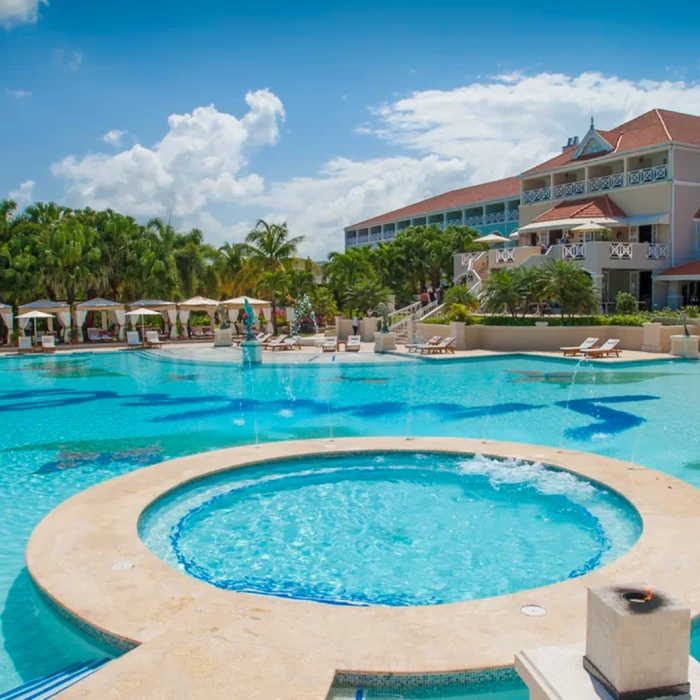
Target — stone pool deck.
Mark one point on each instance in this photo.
(197, 641)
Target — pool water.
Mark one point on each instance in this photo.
(69, 422)
(390, 529)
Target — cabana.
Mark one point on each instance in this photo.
(7, 318)
(59, 309)
(108, 309)
(168, 309)
(196, 304)
(234, 305)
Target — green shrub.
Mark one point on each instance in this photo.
(625, 304)
(436, 320)
(558, 321)
(692, 311)
(624, 320)
(462, 314)
(508, 321)
(460, 296)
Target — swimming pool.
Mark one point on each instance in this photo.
(390, 528)
(69, 422)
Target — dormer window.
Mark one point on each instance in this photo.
(592, 143)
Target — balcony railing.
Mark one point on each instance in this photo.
(473, 220)
(495, 217)
(544, 194)
(453, 222)
(657, 251)
(569, 189)
(621, 251)
(363, 238)
(573, 251)
(606, 182)
(505, 255)
(375, 236)
(513, 215)
(645, 175)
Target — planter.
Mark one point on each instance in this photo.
(223, 338)
(252, 352)
(685, 346)
(383, 342)
(541, 324)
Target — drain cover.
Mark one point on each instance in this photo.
(532, 610)
(122, 566)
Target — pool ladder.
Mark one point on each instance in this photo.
(48, 686)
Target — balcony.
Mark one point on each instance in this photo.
(657, 251)
(513, 215)
(646, 175)
(543, 194)
(573, 251)
(606, 182)
(495, 217)
(618, 255)
(569, 189)
(505, 255)
(473, 220)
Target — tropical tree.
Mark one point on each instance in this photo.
(513, 290)
(367, 294)
(570, 286)
(273, 286)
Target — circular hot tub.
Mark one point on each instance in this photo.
(389, 528)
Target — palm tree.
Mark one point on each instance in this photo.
(570, 285)
(367, 294)
(273, 286)
(512, 289)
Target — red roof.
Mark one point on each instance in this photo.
(689, 269)
(456, 199)
(650, 129)
(589, 208)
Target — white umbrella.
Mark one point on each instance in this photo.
(239, 302)
(142, 313)
(590, 227)
(35, 315)
(492, 238)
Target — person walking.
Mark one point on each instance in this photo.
(355, 324)
(424, 298)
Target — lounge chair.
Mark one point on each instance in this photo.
(330, 344)
(291, 343)
(48, 344)
(133, 340)
(574, 350)
(609, 347)
(274, 343)
(435, 340)
(263, 337)
(444, 346)
(153, 340)
(25, 345)
(353, 344)
(93, 335)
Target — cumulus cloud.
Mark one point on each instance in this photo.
(20, 11)
(24, 193)
(114, 137)
(18, 94)
(201, 160)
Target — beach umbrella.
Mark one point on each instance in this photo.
(35, 315)
(143, 313)
(590, 227)
(492, 238)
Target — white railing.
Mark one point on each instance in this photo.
(495, 217)
(653, 174)
(657, 251)
(606, 182)
(375, 236)
(513, 214)
(473, 220)
(431, 310)
(569, 189)
(401, 316)
(453, 222)
(472, 257)
(573, 251)
(544, 194)
(505, 255)
(621, 251)
(363, 238)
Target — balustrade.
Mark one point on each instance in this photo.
(573, 251)
(544, 194)
(505, 255)
(657, 251)
(645, 175)
(621, 251)
(569, 189)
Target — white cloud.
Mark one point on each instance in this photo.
(68, 59)
(24, 193)
(18, 94)
(20, 11)
(114, 137)
(201, 160)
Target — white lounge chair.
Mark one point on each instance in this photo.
(275, 343)
(330, 344)
(291, 343)
(609, 347)
(25, 345)
(574, 350)
(353, 344)
(133, 340)
(48, 343)
(435, 340)
(153, 340)
(446, 345)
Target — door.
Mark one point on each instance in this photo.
(646, 233)
(645, 289)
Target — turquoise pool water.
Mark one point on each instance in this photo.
(390, 529)
(69, 422)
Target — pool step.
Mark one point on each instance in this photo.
(48, 686)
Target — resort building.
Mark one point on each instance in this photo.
(635, 187)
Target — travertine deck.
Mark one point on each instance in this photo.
(198, 641)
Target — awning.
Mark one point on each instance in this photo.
(648, 219)
(570, 223)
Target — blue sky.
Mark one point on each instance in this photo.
(356, 107)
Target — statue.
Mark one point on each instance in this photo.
(383, 311)
(683, 318)
(249, 320)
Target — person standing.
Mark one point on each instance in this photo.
(424, 298)
(355, 324)
(439, 294)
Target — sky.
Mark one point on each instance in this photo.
(320, 113)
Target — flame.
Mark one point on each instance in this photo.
(648, 594)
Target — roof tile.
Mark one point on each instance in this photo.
(589, 208)
(691, 268)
